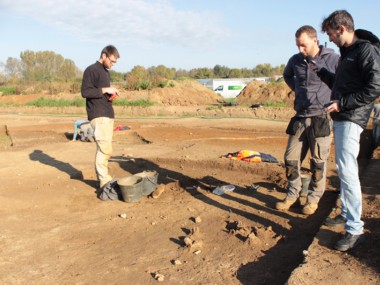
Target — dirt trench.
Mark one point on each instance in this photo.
(274, 256)
(58, 231)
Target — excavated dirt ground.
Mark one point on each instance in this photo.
(55, 230)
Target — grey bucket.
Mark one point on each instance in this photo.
(131, 188)
(305, 178)
(149, 181)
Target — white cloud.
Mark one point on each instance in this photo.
(130, 22)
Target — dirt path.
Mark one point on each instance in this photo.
(55, 230)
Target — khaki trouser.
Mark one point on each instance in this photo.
(103, 131)
(320, 150)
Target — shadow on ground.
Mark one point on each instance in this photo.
(278, 262)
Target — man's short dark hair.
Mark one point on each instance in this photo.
(309, 30)
(337, 19)
(110, 50)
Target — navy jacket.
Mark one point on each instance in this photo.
(311, 92)
(95, 77)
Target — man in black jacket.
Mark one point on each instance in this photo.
(311, 94)
(355, 86)
(96, 88)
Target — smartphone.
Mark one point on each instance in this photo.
(112, 97)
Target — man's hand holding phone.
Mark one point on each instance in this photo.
(332, 106)
(113, 97)
(111, 90)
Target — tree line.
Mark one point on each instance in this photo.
(49, 67)
(159, 76)
(41, 66)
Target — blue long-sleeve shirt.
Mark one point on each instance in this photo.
(311, 94)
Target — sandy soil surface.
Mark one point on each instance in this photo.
(56, 231)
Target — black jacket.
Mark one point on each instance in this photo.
(356, 83)
(95, 77)
(311, 94)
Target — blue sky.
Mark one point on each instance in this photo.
(183, 34)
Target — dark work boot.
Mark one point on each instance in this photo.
(348, 241)
(334, 222)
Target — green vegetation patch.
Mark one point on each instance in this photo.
(214, 107)
(43, 102)
(274, 104)
(80, 102)
(7, 90)
(136, 103)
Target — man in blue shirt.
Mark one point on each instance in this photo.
(310, 127)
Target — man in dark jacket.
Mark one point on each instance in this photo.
(355, 86)
(311, 94)
(96, 88)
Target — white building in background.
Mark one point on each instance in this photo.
(229, 87)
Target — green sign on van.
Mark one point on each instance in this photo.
(235, 87)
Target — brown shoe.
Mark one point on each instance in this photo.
(286, 204)
(309, 208)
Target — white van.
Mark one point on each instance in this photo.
(230, 90)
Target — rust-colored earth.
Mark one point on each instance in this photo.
(56, 231)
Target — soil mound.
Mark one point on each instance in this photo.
(184, 93)
(257, 92)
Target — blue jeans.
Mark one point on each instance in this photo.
(347, 145)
